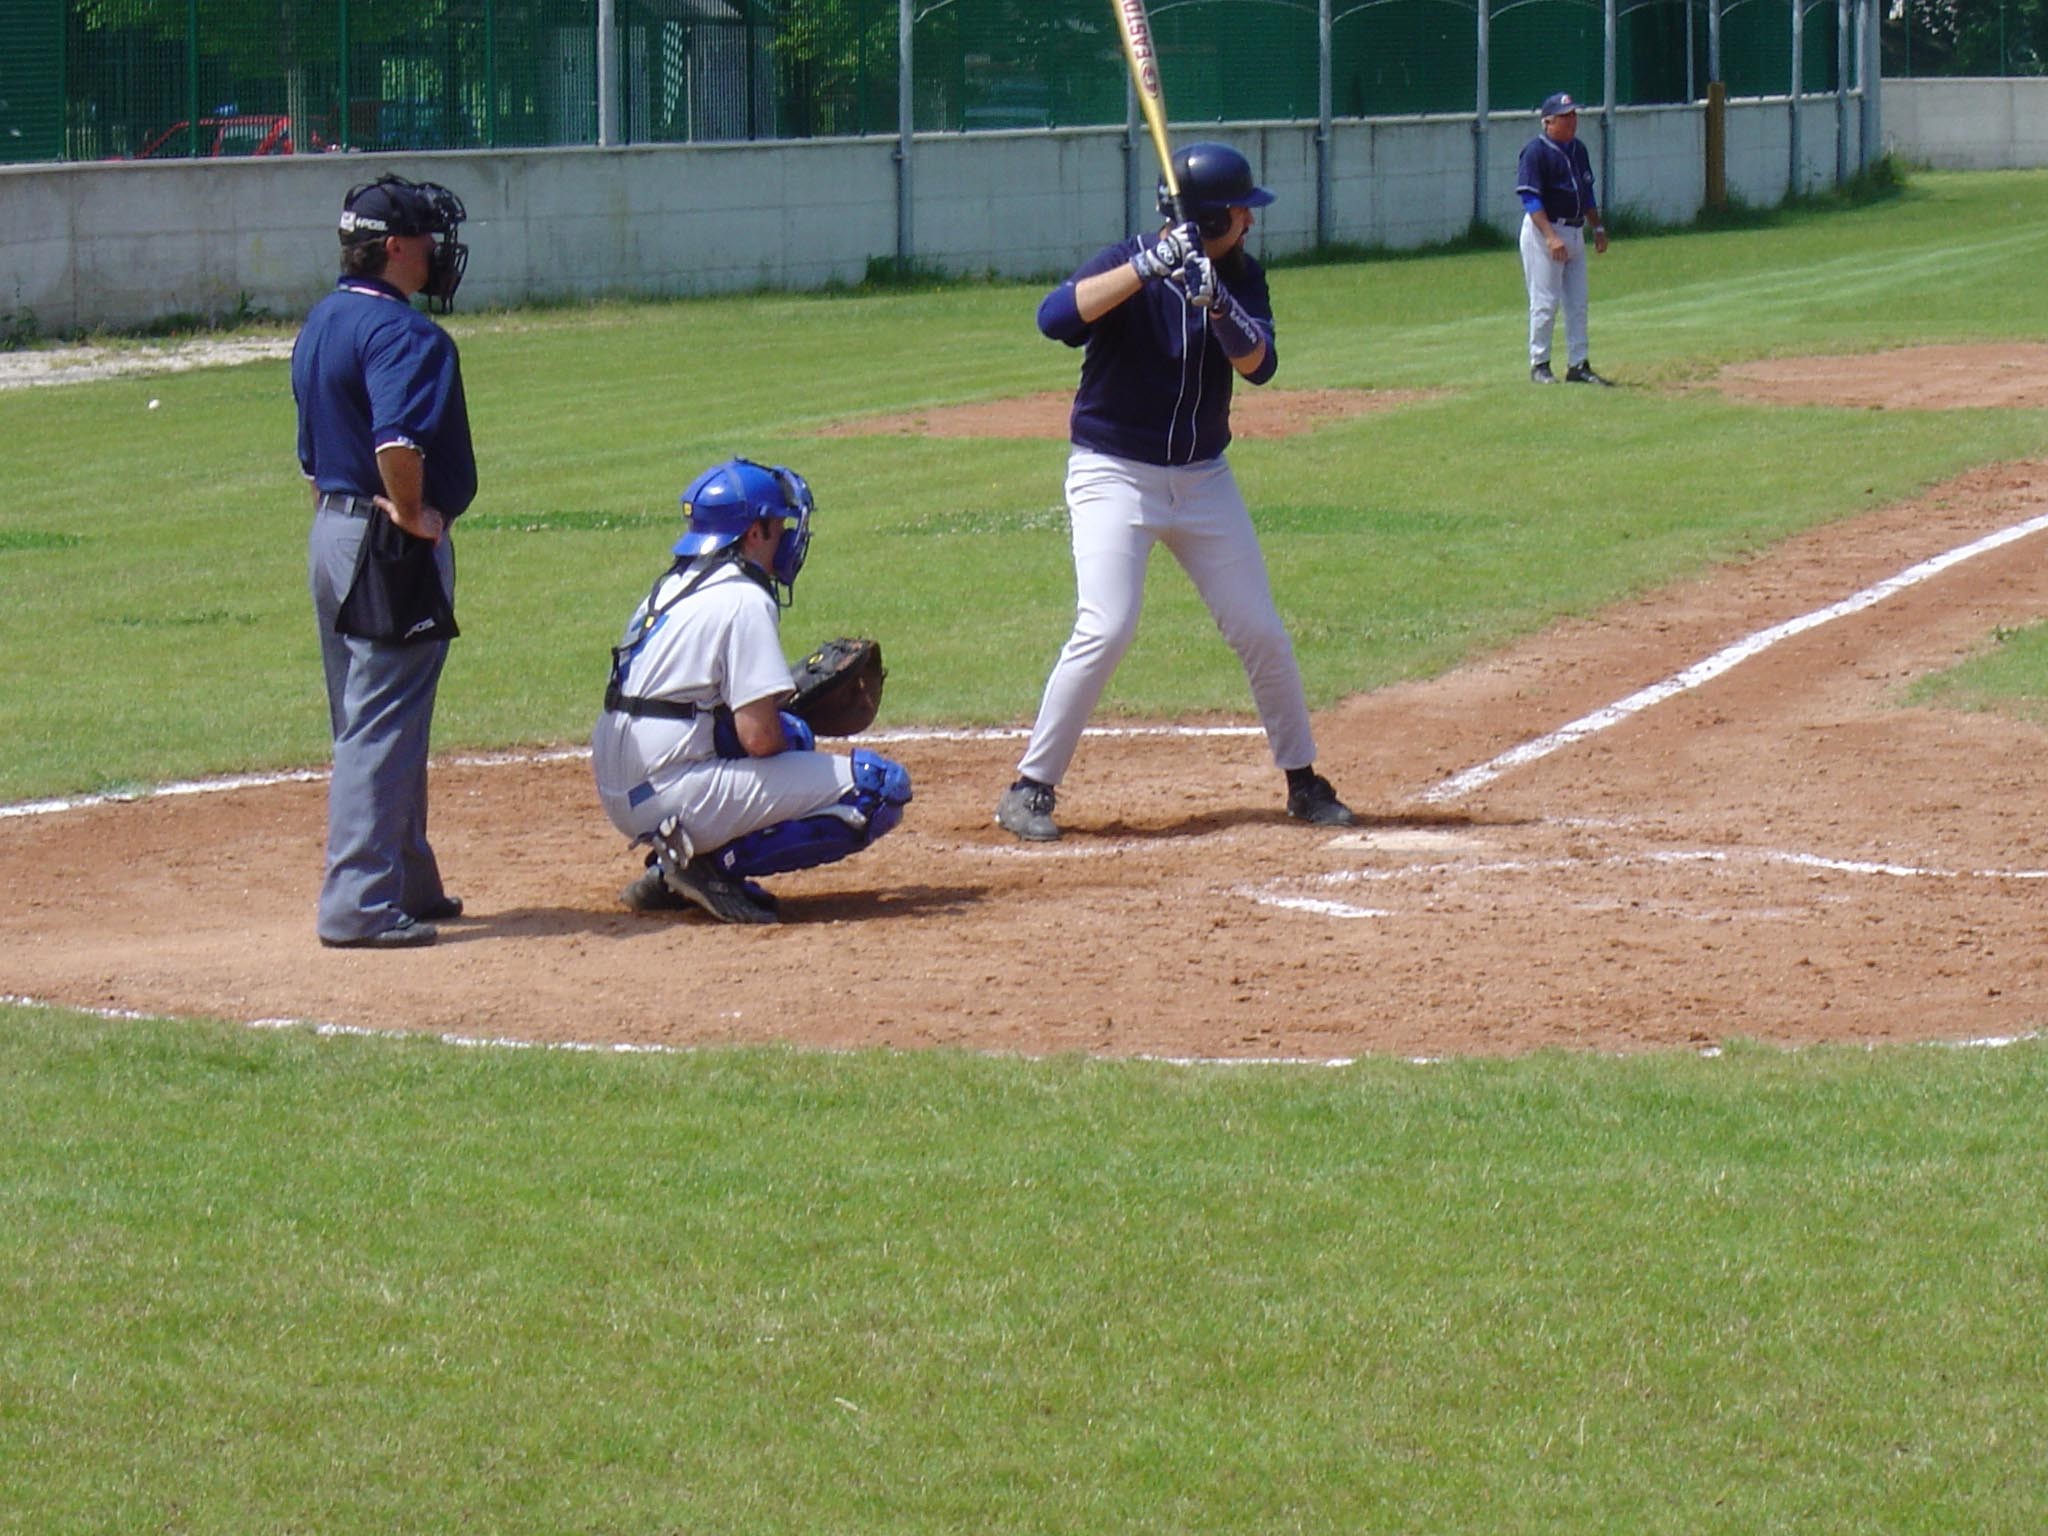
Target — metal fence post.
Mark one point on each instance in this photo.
(192, 79)
(905, 124)
(1841, 92)
(1798, 70)
(1482, 69)
(341, 81)
(1323, 121)
(607, 72)
(1612, 28)
(1713, 39)
(490, 72)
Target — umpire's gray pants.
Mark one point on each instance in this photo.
(380, 705)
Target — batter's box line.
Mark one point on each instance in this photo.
(630, 1048)
(1729, 657)
(228, 783)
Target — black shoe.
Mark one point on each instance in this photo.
(1582, 373)
(1026, 809)
(1317, 803)
(403, 934)
(1541, 374)
(711, 888)
(444, 910)
(650, 893)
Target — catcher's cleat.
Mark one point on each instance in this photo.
(1541, 374)
(704, 883)
(404, 934)
(1316, 803)
(650, 893)
(1582, 373)
(1026, 809)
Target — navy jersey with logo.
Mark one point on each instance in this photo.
(1155, 385)
(1560, 176)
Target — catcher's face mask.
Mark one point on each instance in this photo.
(795, 543)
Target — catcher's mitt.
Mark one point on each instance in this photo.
(839, 686)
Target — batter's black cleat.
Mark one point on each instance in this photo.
(1316, 803)
(1026, 809)
(404, 934)
(1582, 373)
(444, 909)
(1541, 374)
(706, 885)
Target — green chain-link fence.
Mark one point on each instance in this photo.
(96, 79)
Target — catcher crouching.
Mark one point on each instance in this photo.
(706, 749)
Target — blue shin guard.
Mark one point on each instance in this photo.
(881, 788)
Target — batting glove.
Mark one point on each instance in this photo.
(1197, 277)
(1173, 248)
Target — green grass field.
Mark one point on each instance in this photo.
(271, 1282)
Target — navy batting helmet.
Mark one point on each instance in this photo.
(729, 498)
(1214, 178)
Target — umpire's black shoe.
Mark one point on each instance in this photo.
(704, 883)
(403, 934)
(1316, 803)
(1026, 809)
(1582, 373)
(1541, 374)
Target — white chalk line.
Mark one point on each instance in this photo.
(1700, 672)
(633, 1048)
(229, 783)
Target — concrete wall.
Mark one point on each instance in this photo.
(125, 243)
(1968, 125)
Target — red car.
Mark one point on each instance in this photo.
(251, 134)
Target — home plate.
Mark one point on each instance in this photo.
(1408, 840)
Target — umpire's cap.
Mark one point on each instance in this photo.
(1560, 105)
(391, 205)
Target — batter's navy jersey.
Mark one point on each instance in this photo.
(1560, 175)
(369, 371)
(1155, 386)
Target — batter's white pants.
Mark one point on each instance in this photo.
(1119, 509)
(1554, 285)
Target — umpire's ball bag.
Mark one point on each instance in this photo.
(396, 596)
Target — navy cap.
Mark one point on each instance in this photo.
(1558, 105)
(391, 205)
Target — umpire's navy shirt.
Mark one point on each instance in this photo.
(1155, 385)
(1560, 175)
(369, 371)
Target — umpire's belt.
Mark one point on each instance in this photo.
(346, 505)
(658, 709)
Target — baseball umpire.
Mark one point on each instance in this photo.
(1169, 321)
(1555, 183)
(384, 441)
(694, 752)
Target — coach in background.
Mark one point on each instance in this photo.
(384, 440)
(1555, 182)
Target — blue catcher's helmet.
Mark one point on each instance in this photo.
(729, 498)
(1214, 178)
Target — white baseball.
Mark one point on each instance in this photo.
(154, 404)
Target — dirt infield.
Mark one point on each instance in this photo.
(1781, 852)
